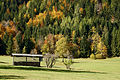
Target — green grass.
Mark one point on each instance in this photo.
(82, 69)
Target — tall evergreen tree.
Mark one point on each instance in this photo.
(9, 45)
(16, 48)
(118, 43)
(75, 38)
(27, 41)
(113, 42)
(5, 38)
(2, 47)
(84, 48)
(106, 39)
(19, 42)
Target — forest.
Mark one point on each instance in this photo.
(82, 28)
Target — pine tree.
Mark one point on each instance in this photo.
(2, 47)
(75, 38)
(118, 43)
(5, 38)
(28, 43)
(9, 45)
(106, 39)
(27, 36)
(113, 42)
(16, 48)
(84, 48)
(109, 2)
(18, 41)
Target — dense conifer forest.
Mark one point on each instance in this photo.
(82, 28)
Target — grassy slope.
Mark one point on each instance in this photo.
(82, 69)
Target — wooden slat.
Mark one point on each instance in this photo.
(27, 55)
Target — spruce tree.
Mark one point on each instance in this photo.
(2, 47)
(5, 38)
(106, 39)
(27, 40)
(84, 47)
(113, 42)
(118, 43)
(9, 45)
(16, 48)
(27, 35)
(75, 38)
(19, 42)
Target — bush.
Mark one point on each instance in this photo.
(50, 60)
(99, 56)
(92, 56)
(76, 54)
(68, 62)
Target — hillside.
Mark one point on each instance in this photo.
(39, 26)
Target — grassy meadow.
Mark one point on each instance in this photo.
(82, 69)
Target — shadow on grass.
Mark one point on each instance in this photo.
(46, 69)
(11, 77)
(4, 62)
(76, 62)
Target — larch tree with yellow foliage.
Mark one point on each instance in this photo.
(97, 46)
(62, 50)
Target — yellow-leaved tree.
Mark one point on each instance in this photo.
(62, 50)
(48, 51)
(62, 47)
(97, 46)
(101, 49)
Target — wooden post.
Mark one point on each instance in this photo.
(39, 61)
(13, 60)
(26, 61)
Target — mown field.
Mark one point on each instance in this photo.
(82, 69)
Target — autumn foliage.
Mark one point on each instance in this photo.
(77, 27)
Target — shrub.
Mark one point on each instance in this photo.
(33, 51)
(99, 56)
(104, 56)
(92, 56)
(68, 62)
(50, 60)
